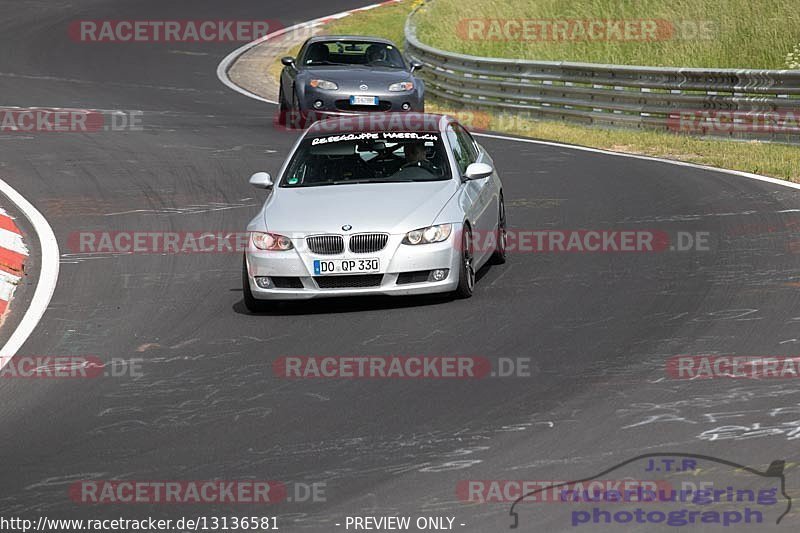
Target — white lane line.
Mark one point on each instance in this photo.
(48, 275)
(225, 64)
(222, 74)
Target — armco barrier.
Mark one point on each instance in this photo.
(745, 104)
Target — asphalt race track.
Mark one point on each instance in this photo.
(597, 328)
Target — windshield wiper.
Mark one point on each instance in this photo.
(369, 180)
(360, 181)
(334, 182)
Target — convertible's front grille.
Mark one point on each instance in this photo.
(349, 282)
(367, 243)
(345, 105)
(326, 244)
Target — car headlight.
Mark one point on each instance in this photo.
(401, 86)
(271, 241)
(324, 84)
(428, 235)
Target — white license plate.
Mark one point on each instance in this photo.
(346, 266)
(363, 100)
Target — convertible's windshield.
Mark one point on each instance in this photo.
(370, 54)
(384, 157)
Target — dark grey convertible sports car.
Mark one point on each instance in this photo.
(342, 74)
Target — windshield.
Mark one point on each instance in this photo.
(385, 157)
(366, 53)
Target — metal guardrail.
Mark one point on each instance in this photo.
(745, 104)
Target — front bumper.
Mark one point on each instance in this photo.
(396, 259)
(337, 103)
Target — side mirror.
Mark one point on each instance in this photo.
(478, 171)
(288, 61)
(416, 65)
(261, 180)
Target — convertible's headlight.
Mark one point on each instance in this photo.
(271, 241)
(324, 84)
(402, 86)
(428, 235)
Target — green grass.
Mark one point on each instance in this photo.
(742, 33)
(777, 160)
(386, 21)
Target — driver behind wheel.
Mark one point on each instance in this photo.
(415, 154)
(417, 165)
(376, 54)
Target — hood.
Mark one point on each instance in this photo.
(393, 208)
(350, 78)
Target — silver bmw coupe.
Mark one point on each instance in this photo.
(393, 204)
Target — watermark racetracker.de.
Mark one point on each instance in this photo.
(203, 492)
(64, 120)
(68, 367)
(729, 122)
(575, 30)
(598, 240)
(688, 367)
(552, 491)
(170, 31)
(426, 367)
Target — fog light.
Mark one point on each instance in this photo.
(438, 275)
(318, 104)
(406, 106)
(263, 282)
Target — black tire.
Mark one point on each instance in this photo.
(283, 107)
(250, 302)
(298, 120)
(466, 274)
(500, 254)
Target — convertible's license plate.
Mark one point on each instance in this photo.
(346, 266)
(363, 100)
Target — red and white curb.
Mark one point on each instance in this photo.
(13, 254)
(12, 258)
(225, 64)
